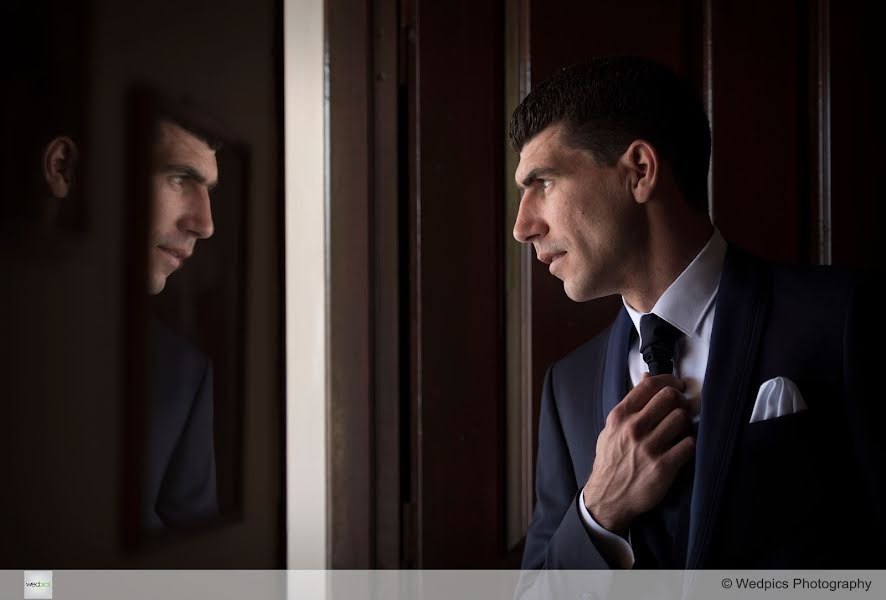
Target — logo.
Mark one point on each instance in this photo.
(38, 584)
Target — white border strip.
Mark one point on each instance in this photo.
(303, 42)
(464, 585)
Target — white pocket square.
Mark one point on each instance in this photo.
(776, 398)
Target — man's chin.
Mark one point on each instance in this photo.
(156, 284)
(578, 293)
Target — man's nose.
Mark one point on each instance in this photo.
(528, 226)
(198, 220)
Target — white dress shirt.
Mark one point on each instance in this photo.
(689, 305)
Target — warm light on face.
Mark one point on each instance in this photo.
(574, 213)
(185, 170)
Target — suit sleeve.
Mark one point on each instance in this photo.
(188, 492)
(557, 537)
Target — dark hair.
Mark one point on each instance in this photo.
(610, 102)
(201, 131)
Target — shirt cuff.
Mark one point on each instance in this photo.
(614, 548)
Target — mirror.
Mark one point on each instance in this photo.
(187, 289)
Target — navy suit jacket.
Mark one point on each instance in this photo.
(179, 486)
(798, 491)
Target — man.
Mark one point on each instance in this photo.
(42, 119)
(180, 482)
(185, 171)
(725, 419)
(179, 486)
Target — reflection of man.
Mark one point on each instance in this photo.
(185, 171)
(180, 484)
(179, 487)
(781, 469)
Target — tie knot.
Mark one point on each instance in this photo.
(658, 340)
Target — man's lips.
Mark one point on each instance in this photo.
(549, 257)
(179, 254)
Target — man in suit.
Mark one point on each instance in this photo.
(726, 418)
(179, 484)
(179, 487)
(42, 119)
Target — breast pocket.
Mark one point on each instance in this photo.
(777, 481)
(785, 442)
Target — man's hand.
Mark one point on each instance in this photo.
(637, 457)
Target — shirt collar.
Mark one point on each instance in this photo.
(687, 300)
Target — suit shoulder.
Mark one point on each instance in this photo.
(824, 286)
(827, 287)
(592, 352)
(169, 346)
(815, 275)
(177, 368)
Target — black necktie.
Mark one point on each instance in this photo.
(661, 535)
(659, 339)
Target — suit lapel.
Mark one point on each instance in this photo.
(742, 300)
(615, 379)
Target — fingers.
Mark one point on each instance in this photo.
(644, 391)
(675, 424)
(679, 455)
(660, 406)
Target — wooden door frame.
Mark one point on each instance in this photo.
(364, 289)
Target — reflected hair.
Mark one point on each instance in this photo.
(199, 131)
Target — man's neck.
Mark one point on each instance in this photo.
(670, 246)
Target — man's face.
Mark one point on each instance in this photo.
(184, 171)
(579, 215)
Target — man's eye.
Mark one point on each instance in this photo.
(177, 180)
(547, 183)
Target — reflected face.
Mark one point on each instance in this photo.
(185, 170)
(581, 219)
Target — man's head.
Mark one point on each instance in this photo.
(184, 172)
(599, 145)
(608, 103)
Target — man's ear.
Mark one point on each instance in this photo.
(59, 166)
(643, 167)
